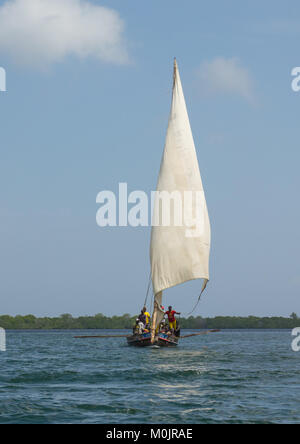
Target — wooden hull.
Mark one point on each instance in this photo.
(167, 341)
(144, 340)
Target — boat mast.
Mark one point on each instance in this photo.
(156, 306)
(154, 319)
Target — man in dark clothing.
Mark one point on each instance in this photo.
(142, 317)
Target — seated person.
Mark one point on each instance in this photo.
(162, 326)
(135, 329)
(141, 328)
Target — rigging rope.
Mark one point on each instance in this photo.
(148, 289)
(199, 298)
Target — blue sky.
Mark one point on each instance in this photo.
(87, 108)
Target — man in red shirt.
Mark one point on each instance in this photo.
(171, 316)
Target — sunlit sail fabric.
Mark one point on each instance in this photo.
(179, 254)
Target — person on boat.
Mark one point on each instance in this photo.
(147, 314)
(177, 331)
(136, 327)
(141, 328)
(171, 317)
(163, 327)
(142, 318)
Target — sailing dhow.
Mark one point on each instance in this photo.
(178, 252)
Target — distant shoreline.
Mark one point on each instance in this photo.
(101, 322)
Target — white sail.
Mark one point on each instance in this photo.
(178, 254)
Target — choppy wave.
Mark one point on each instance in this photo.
(229, 377)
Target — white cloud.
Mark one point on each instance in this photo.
(222, 75)
(43, 32)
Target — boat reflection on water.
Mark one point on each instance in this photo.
(182, 382)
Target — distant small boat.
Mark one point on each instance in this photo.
(175, 256)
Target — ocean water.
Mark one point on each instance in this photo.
(237, 376)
